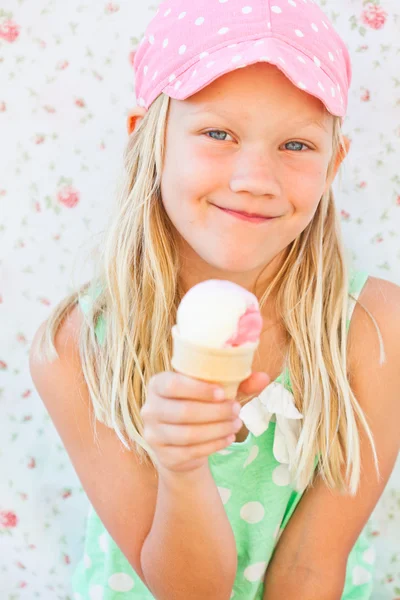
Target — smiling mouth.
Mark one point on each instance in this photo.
(245, 216)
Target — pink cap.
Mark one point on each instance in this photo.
(190, 43)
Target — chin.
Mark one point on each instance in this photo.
(236, 263)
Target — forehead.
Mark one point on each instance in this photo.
(243, 115)
(258, 91)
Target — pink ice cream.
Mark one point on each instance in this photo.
(249, 328)
(218, 313)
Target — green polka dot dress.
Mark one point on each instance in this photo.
(258, 499)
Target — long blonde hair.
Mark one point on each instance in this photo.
(139, 293)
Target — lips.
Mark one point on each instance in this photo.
(246, 214)
(252, 215)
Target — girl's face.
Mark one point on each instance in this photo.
(268, 156)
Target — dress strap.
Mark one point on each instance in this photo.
(357, 282)
(85, 302)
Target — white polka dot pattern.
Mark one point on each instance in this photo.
(360, 575)
(121, 582)
(254, 451)
(87, 561)
(225, 494)
(369, 556)
(297, 37)
(255, 572)
(252, 512)
(96, 592)
(103, 544)
(281, 475)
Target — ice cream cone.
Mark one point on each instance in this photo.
(227, 367)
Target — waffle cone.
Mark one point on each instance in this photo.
(227, 367)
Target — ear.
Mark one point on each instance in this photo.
(341, 155)
(135, 115)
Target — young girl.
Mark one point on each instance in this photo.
(233, 149)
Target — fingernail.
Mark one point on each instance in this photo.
(219, 394)
(236, 408)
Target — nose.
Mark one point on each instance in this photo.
(257, 173)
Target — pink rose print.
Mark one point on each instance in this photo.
(9, 31)
(374, 16)
(132, 57)
(8, 519)
(112, 8)
(32, 463)
(62, 64)
(366, 96)
(68, 196)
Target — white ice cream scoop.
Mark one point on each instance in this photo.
(218, 313)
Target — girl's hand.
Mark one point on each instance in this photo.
(184, 423)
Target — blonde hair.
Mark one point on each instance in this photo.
(137, 271)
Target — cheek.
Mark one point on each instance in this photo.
(305, 188)
(188, 181)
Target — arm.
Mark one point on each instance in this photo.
(311, 555)
(190, 551)
(174, 532)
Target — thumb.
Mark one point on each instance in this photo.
(254, 384)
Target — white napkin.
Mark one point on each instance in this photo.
(276, 400)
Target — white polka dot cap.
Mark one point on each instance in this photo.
(189, 44)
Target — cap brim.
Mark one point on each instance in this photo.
(302, 71)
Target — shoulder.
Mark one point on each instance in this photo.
(374, 332)
(65, 335)
(373, 367)
(378, 290)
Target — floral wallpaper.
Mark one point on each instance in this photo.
(66, 85)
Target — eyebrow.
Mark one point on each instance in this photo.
(209, 109)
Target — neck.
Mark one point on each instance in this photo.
(194, 271)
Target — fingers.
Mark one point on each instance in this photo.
(193, 412)
(195, 456)
(254, 384)
(176, 385)
(185, 423)
(182, 435)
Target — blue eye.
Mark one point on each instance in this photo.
(225, 133)
(216, 131)
(298, 144)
